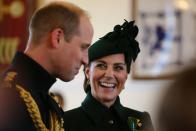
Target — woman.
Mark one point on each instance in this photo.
(109, 64)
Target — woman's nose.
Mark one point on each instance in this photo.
(109, 72)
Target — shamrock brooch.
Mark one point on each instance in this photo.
(134, 123)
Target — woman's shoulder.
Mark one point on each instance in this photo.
(72, 112)
(135, 112)
(142, 118)
(75, 119)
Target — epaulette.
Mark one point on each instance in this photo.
(9, 78)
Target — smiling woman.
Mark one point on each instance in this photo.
(110, 59)
(107, 77)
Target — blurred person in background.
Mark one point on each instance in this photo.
(60, 34)
(177, 111)
(110, 60)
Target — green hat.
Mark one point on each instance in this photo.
(121, 40)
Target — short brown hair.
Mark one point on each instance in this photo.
(62, 15)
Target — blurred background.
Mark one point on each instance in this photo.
(167, 36)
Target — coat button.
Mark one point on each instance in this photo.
(111, 122)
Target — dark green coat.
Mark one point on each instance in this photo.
(93, 116)
(34, 79)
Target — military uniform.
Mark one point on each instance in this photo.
(93, 116)
(25, 103)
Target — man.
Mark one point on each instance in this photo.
(60, 34)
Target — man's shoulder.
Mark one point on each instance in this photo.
(12, 110)
(10, 101)
(9, 96)
(7, 90)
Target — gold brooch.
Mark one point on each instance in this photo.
(134, 123)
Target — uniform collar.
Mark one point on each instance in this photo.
(31, 73)
(96, 111)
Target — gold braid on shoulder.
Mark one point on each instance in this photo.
(32, 108)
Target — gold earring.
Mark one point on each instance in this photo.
(88, 82)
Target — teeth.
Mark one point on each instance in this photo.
(107, 84)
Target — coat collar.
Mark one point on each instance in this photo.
(96, 111)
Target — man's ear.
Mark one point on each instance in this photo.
(57, 36)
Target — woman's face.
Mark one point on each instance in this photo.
(107, 77)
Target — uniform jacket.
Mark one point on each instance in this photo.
(31, 77)
(93, 116)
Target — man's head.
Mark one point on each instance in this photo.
(56, 15)
(60, 34)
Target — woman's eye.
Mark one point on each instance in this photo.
(119, 68)
(101, 66)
